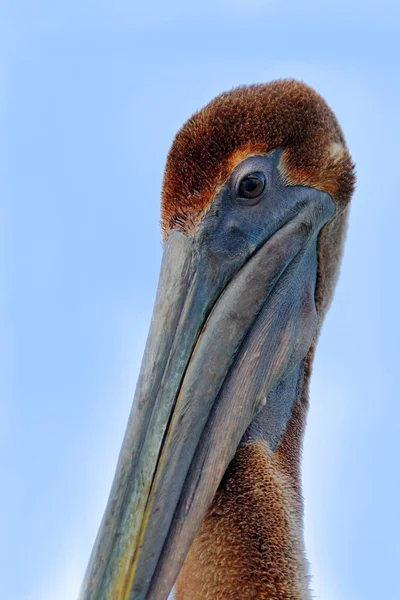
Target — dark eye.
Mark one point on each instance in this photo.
(252, 185)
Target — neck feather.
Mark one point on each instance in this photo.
(250, 544)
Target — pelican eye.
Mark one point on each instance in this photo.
(252, 185)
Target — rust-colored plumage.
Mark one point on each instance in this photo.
(250, 544)
(247, 121)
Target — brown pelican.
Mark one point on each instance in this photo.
(254, 210)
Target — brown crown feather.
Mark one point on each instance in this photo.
(252, 120)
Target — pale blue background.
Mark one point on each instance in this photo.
(91, 95)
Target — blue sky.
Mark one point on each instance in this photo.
(91, 95)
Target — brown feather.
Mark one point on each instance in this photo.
(250, 545)
(254, 120)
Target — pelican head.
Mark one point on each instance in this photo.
(254, 207)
